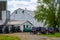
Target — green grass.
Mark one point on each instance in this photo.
(8, 38)
(51, 35)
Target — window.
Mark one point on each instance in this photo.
(16, 12)
(24, 26)
(23, 11)
(27, 26)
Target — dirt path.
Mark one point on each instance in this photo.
(28, 36)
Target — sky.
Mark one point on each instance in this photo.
(15, 4)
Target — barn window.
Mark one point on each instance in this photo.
(23, 11)
(16, 12)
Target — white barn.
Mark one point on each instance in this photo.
(5, 19)
(21, 14)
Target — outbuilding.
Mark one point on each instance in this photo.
(22, 24)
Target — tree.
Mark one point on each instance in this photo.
(58, 17)
(48, 11)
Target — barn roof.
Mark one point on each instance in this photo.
(31, 12)
(17, 22)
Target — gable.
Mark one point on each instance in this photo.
(28, 22)
(19, 10)
(19, 15)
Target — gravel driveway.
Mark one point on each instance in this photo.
(29, 36)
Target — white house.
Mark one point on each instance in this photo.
(21, 14)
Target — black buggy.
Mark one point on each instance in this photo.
(6, 29)
(13, 28)
(18, 29)
(1, 28)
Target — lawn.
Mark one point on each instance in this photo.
(8, 38)
(51, 35)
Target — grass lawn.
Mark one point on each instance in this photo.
(51, 35)
(8, 38)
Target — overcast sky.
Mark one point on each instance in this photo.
(15, 4)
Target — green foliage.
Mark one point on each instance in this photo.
(46, 1)
(48, 12)
(58, 17)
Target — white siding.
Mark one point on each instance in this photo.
(5, 14)
(27, 15)
(26, 23)
(21, 28)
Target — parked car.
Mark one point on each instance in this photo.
(58, 29)
(51, 30)
(38, 29)
(43, 30)
(34, 30)
(27, 30)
